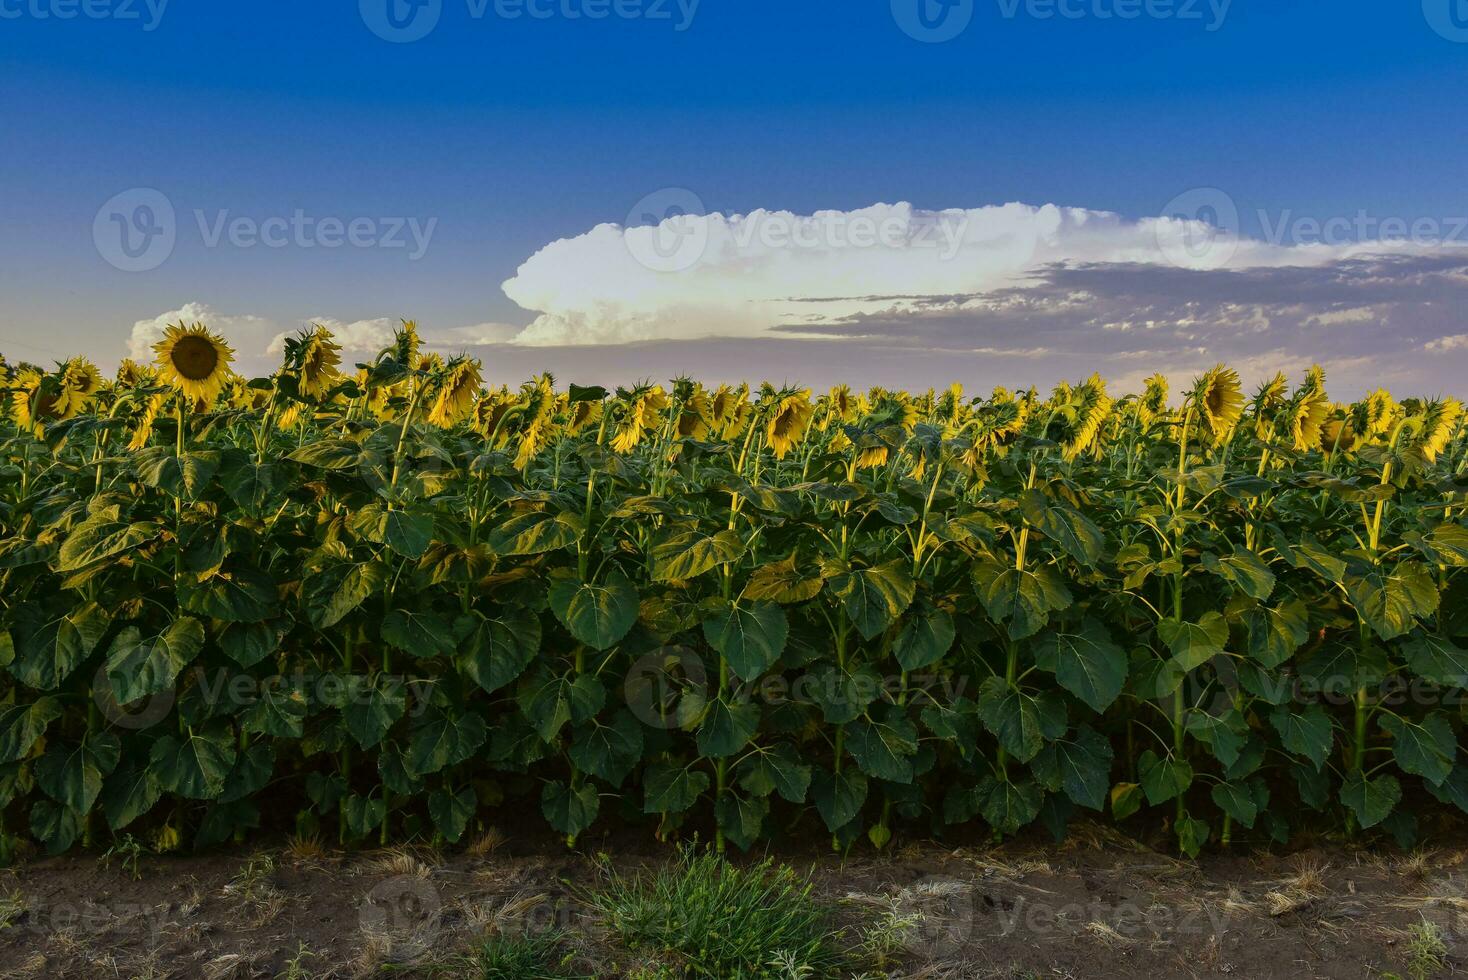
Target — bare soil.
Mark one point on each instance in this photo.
(1097, 906)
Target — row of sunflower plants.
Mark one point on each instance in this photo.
(393, 603)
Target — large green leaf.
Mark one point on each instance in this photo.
(22, 725)
(443, 737)
(535, 533)
(597, 614)
(72, 773)
(838, 796)
(138, 665)
(884, 746)
(500, 647)
(609, 751)
(1244, 570)
(1437, 659)
(1086, 662)
(1022, 599)
(1194, 644)
(1371, 800)
(194, 764)
(1079, 765)
(672, 789)
(874, 597)
(49, 650)
(1306, 731)
(684, 552)
(1066, 526)
(101, 536)
(1022, 721)
(927, 634)
(777, 768)
(750, 635)
(1392, 600)
(1427, 748)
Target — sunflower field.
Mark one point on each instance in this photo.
(389, 604)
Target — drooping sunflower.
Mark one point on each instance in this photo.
(36, 401)
(79, 382)
(1338, 434)
(456, 393)
(731, 411)
(1431, 431)
(1373, 416)
(194, 361)
(537, 419)
(789, 413)
(489, 414)
(639, 412)
(1153, 403)
(1219, 401)
(314, 357)
(1306, 416)
(1086, 410)
(131, 374)
(143, 428)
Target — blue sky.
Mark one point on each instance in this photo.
(508, 135)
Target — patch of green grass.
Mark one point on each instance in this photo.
(537, 957)
(715, 919)
(1427, 954)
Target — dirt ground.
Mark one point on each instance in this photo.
(1097, 906)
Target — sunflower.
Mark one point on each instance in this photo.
(1434, 428)
(144, 429)
(1374, 416)
(80, 380)
(1306, 416)
(580, 416)
(456, 393)
(641, 412)
(131, 374)
(538, 418)
(1082, 411)
(789, 413)
(1219, 400)
(405, 343)
(35, 401)
(194, 360)
(1337, 434)
(1153, 403)
(490, 411)
(314, 357)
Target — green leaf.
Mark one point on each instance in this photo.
(776, 769)
(672, 789)
(782, 582)
(1021, 721)
(329, 454)
(1305, 732)
(1194, 644)
(551, 701)
(598, 615)
(451, 812)
(178, 476)
(1437, 659)
(102, 536)
(838, 797)
(535, 533)
(1371, 800)
(421, 633)
(1275, 634)
(1427, 749)
(609, 751)
(1163, 778)
(1081, 766)
(138, 666)
(1021, 598)
(372, 706)
(884, 748)
(684, 552)
(875, 597)
(501, 647)
(1009, 806)
(22, 725)
(926, 637)
(128, 794)
(443, 737)
(241, 594)
(1391, 601)
(407, 532)
(360, 582)
(727, 727)
(279, 709)
(1086, 663)
(194, 765)
(1066, 526)
(72, 773)
(49, 650)
(1192, 835)
(1244, 570)
(749, 635)
(741, 819)
(55, 825)
(363, 814)
(1237, 801)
